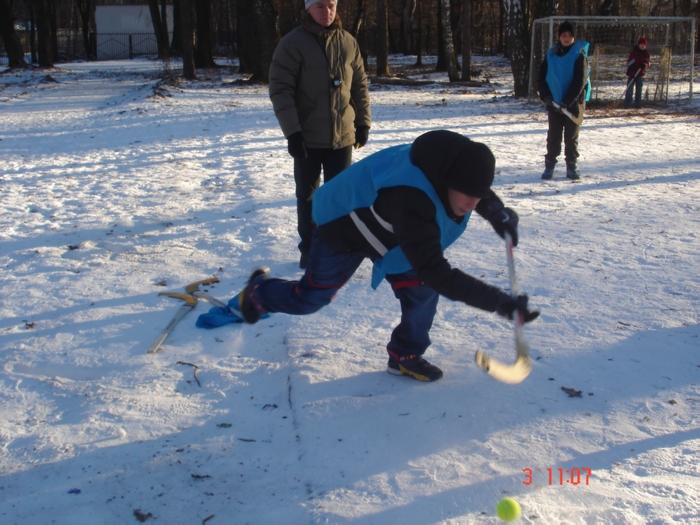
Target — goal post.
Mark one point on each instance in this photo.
(669, 79)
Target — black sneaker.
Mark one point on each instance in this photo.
(249, 307)
(418, 369)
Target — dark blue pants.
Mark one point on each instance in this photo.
(637, 86)
(328, 271)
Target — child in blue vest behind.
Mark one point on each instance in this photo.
(400, 207)
(563, 79)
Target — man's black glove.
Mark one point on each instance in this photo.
(505, 220)
(296, 146)
(361, 136)
(644, 65)
(507, 304)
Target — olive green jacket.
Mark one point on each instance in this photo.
(306, 61)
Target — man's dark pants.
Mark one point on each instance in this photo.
(328, 271)
(307, 176)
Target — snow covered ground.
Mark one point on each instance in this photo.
(116, 187)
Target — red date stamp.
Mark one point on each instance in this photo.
(560, 476)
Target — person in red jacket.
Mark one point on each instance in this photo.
(637, 64)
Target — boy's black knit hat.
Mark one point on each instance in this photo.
(473, 170)
(451, 160)
(567, 26)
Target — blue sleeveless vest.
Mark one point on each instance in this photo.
(560, 70)
(358, 186)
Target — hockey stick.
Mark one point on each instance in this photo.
(518, 371)
(216, 302)
(619, 100)
(190, 303)
(576, 120)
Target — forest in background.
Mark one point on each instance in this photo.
(50, 31)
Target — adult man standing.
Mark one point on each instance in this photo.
(318, 89)
(563, 84)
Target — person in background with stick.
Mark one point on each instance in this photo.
(318, 89)
(637, 64)
(401, 207)
(563, 84)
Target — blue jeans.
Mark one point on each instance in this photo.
(327, 271)
(638, 84)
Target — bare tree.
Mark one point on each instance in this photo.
(418, 28)
(43, 33)
(545, 8)
(448, 47)
(203, 52)
(359, 18)
(382, 39)
(466, 39)
(517, 44)
(13, 45)
(85, 8)
(257, 37)
(187, 35)
(160, 27)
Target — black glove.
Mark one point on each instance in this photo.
(505, 220)
(507, 304)
(644, 65)
(361, 136)
(296, 146)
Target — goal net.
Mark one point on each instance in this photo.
(669, 79)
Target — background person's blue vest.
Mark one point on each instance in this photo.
(357, 187)
(560, 70)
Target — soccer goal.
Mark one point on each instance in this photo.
(671, 44)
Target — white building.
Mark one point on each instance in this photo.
(125, 31)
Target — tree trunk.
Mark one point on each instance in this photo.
(409, 11)
(359, 18)
(441, 60)
(53, 28)
(418, 29)
(176, 44)
(546, 8)
(32, 31)
(289, 15)
(43, 30)
(161, 30)
(517, 45)
(382, 39)
(448, 48)
(466, 40)
(187, 35)
(203, 53)
(85, 10)
(257, 37)
(13, 45)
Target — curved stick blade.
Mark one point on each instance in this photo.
(511, 374)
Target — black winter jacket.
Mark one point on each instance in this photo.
(412, 216)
